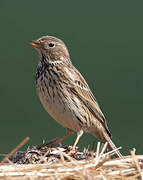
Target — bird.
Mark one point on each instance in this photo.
(66, 95)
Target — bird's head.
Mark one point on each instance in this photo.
(51, 48)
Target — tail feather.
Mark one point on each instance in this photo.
(111, 145)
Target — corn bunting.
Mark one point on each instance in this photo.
(65, 94)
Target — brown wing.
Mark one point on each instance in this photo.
(81, 89)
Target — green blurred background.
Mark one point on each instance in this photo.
(105, 40)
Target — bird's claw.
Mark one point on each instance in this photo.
(53, 143)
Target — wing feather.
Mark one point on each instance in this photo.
(80, 88)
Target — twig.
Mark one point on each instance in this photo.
(14, 150)
(137, 163)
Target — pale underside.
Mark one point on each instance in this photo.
(67, 110)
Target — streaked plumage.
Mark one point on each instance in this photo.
(65, 94)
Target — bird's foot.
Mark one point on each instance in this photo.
(53, 143)
(72, 151)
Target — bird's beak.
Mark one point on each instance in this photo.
(35, 44)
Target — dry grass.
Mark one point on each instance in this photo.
(59, 165)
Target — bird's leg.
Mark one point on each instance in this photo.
(68, 133)
(79, 134)
(55, 141)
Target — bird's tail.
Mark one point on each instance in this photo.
(111, 145)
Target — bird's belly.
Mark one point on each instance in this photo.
(61, 111)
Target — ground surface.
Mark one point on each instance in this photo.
(43, 163)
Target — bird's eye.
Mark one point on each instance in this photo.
(51, 45)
